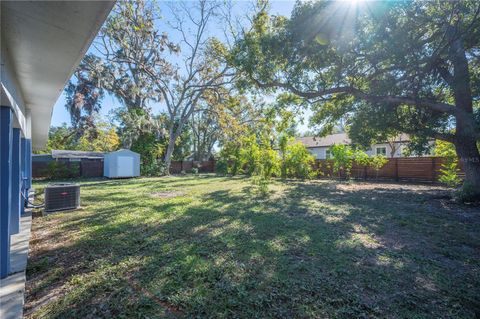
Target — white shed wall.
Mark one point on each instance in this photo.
(123, 163)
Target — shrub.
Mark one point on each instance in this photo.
(262, 184)
(449, 174)
(229, 161)
(377, 162)
(153, 168)
(342, 157)
(195, 170)
(361, 158)
(298, 161)
(250, 155)
(221, 167)
(282, 145)
(269, 163)
(58, 170)
(295, 159)
(449, 169)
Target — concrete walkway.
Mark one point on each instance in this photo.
(12, 288)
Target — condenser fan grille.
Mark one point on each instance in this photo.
(62, 197)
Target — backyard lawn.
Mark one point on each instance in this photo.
(213, 247)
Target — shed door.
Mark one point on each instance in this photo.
(125, 166)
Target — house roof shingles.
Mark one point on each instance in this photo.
(314, 141)
(339, 138)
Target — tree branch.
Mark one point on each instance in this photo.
(433, 105)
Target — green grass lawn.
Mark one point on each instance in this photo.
(212, 247)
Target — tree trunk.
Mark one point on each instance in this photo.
(168, 154)
(465, 128)
(467, 150)
(173, 135)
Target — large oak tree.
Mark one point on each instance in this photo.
(390, 67)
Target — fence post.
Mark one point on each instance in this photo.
(365, 172)
(396, 169)
(434, 173)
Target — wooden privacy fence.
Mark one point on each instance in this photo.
(66, 169)
(177, 167)
(94, 168)
(419, 169)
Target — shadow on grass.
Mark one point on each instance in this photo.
(313, 250)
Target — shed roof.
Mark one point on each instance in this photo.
(124, 150)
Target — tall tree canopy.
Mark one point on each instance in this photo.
(130, 48)
(391, 67)
(83, 97)
(136, 62)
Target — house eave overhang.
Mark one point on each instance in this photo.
(42, 42)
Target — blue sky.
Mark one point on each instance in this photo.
(60, 114)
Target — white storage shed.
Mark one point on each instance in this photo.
(120, 164)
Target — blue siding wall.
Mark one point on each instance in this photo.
(6, 140)
(15, 209)
(23, 175)
(28, 165)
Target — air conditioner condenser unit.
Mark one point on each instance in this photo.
(62, 196)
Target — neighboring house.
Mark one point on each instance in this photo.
(75, 156)
(319, 146)
(68, 156)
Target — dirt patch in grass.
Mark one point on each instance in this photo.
(362, 186)
(167, 194)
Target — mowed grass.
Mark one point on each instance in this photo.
(212, 247)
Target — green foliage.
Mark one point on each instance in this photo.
(397, 66)
(342, 157)
(269, 163)
(282, 145)
(250, 155)
(377, 162)
(60, 138)
(258, 158)
(221, 166)
(150, 151)
(59, 170)
(361, 158)
(261, 182)
(298, 161)
(449, 174)
(449, 170)
(153, 168)
(101, 137)
(312, 48)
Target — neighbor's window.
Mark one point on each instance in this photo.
(382, 151)
(327, 154)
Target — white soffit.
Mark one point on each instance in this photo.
(45, 41)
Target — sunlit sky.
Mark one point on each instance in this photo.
(60, 114)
